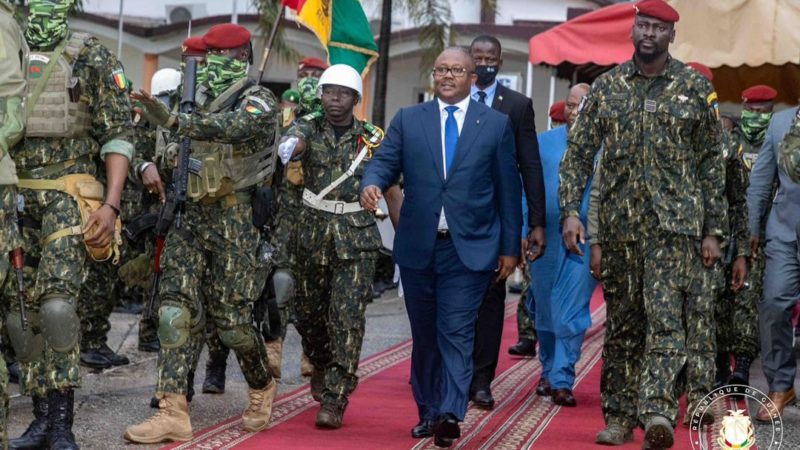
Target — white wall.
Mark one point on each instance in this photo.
(549, 10)
(157, 8)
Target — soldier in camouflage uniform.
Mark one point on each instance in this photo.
(77, 110)
(661, 218)
(739, 325)
(337, 240)
(790, 151)
(289, 206)
(12, 92)
(211, 259)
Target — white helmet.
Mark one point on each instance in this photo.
(341, 75)
(165, 80)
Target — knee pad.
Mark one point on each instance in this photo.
(27, 344)
(174, 325)
(283, 283)
(60, 323)
(238, 338)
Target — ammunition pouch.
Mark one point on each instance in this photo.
(221, 173)
(294, 173)
(28, 344)
(88, 194)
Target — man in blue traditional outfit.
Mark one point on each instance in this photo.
(562, 285)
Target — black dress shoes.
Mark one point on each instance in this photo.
(483, 399)
(446, 430)
(543, 387)
(424, 429)
(563, 397)
(525, 347)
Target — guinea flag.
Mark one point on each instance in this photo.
(342, 28)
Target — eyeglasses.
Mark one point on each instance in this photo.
(457, 72)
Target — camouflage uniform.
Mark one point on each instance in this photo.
(790, 151)
(736, 313)
(663, 176)
(211, 260)
(335, 258)
(103, 288)
(12, 89)
(61, 263)
(525, 328)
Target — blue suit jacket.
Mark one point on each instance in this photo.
(785, 213)
(481, 196)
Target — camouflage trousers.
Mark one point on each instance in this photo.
(622, 272)
(737, 314)
(284, 238)
(330, 304)
(60, 270)
(679, 301)
(211, 261)
(525, 326)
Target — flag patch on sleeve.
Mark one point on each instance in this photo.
(119, 79)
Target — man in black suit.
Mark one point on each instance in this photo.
(487, 53)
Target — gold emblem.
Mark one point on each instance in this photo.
(736, 432)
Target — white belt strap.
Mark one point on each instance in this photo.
(316, 200)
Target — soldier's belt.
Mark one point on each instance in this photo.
(88, 194)
(313, 201)
(53, 169)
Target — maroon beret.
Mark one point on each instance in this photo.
(557, 111)
(759, 93)
(226, 35)
(193, 46)
(703, 69)
(314, 63)
(657, 9)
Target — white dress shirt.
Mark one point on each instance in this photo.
(459, 115)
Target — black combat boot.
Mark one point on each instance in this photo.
(113, 357)
(723, 363)
(93, 359)
(741, 374)
(36, 434)
(61, 413)
(13, 372)
(215, 375)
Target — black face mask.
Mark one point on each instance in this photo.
(486, 74)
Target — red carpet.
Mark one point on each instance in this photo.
(382, 410)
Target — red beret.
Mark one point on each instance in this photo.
(703, 69)
(314, 63)
(557, 112)
(226, 35)
(193, 46)
(657, 9)
(759, 93)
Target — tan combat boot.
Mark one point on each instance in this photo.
(170, 423)
(306, 368)
(259, 411)
(275, 356)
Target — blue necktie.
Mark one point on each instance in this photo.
(450, 137)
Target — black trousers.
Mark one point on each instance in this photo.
(488, 334)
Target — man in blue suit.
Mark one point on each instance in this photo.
(458, 230)
(782, 272)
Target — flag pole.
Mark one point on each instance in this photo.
(119, 31)
(270, 41)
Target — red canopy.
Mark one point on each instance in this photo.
(601, 37)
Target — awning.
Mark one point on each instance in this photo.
(745, 42)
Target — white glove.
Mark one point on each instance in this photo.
(286, 148)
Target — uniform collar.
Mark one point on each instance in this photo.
(630, 69)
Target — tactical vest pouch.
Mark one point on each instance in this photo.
(88, 194)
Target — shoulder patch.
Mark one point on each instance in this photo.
(118, 75)
(255, 105)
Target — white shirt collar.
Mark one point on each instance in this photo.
(462, 105)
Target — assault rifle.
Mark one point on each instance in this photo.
(173, 208)
(17, 257)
